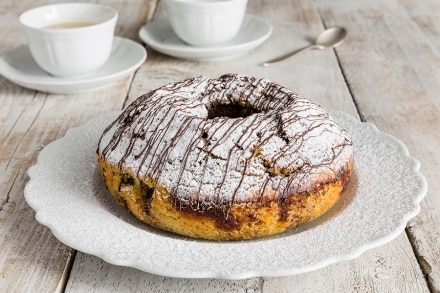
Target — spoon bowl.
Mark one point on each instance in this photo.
(329, 38)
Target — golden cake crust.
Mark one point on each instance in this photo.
(225, 159)
(244, 221)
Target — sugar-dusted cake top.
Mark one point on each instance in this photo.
(236, 138)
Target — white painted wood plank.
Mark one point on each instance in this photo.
(392, 67)
(31, 259)
(91, 274)
(374, 271)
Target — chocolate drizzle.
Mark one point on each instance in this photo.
(217, 142)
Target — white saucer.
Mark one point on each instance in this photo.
(19, 67)
(160, 36)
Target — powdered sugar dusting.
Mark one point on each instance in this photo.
(169, 136)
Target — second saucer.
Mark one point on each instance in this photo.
(160, 36)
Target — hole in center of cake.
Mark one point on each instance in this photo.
(236, 110)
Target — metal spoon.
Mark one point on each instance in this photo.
(331, 37)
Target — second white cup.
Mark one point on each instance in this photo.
(205, 23)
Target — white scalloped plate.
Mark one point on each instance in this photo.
(68, 195)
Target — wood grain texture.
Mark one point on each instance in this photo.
(31, 259)
(91, 274)
(36, 119)
(387, 72)
(394, 76)
(374, 271)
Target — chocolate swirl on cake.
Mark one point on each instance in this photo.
(208, 145)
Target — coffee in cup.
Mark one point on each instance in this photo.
(70, 39)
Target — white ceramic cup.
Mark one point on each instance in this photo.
(205, 23)
(70, 39)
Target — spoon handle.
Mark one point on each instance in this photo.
(285, 56)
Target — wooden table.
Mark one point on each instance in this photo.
(387, 72)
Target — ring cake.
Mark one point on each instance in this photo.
(231, 158)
